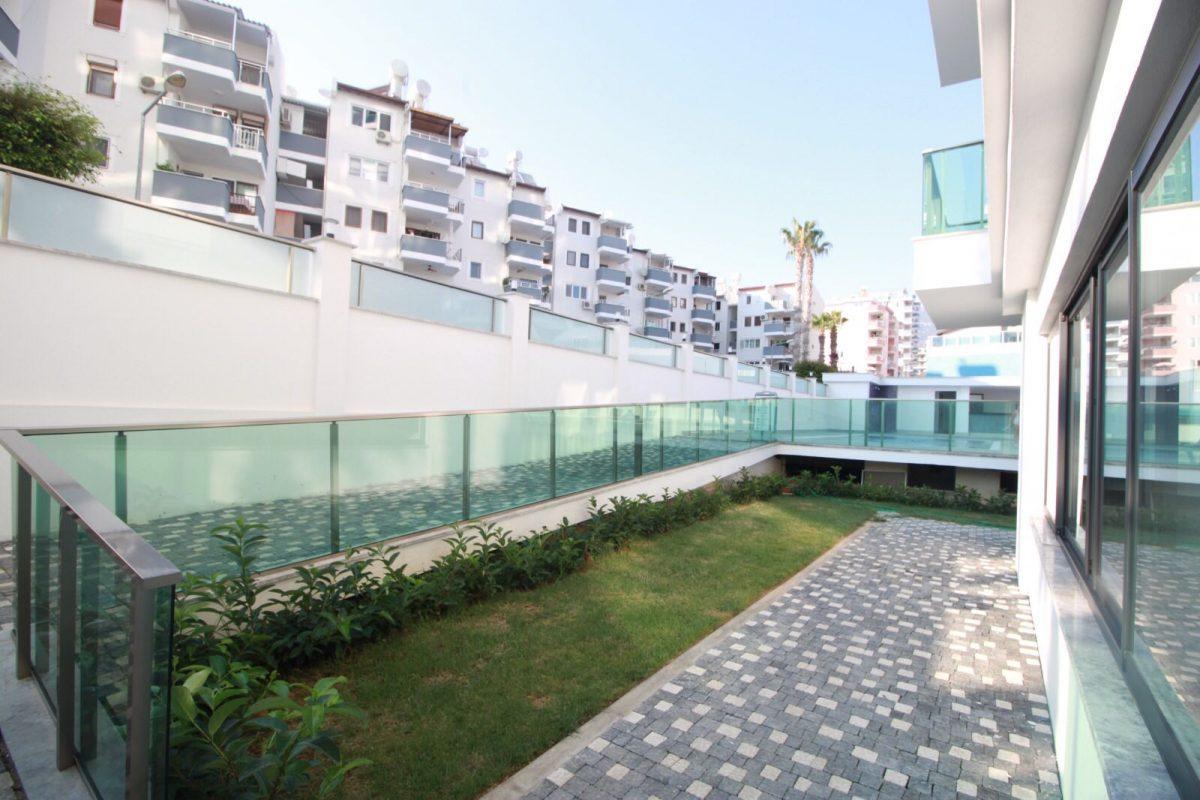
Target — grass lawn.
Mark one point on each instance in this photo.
(456, 705)
(944, 514)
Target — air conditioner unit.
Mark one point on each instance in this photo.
(587, 304)
(641, 287)
(383, 137)
(148, 83)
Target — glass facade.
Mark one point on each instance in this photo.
(954, 192)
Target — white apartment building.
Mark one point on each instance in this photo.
(209, 146)
(766, 319)
(869, 340)
(914, 328)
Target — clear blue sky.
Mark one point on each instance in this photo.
(707, 125)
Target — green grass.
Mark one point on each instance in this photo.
(457, 704)
(944, 514)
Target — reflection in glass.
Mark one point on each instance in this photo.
(1114, 388)
(1078, 379)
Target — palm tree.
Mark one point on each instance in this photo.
(823, 323)
(835, 318)
(805, 241)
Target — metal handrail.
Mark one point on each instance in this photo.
(197, 37)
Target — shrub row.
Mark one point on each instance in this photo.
(238, 730)
(831, 484)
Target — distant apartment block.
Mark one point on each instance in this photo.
(765, 323)
(869, 340)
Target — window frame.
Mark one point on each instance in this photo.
(358, 210)
(120, 4)
(482, 232)
(375, 215)
(95, 67)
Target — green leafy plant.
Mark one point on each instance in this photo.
(963, 498)
(238, 731)
(45, 131)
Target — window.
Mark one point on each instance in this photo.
(576, 292)
(102, 79)
(718, 305)
(672, 327)
(683, 302)
(478, 188)
(107, 14)
(379, 221)
(476, 270)
(747, 323)
(570, 258)
(353, 217)
(476, 229)
(369, 169)
(101, 144)
(585, 260)
(369, 118)
(683, 327)
(586, 228)
(572, 225)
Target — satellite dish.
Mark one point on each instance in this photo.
(423, 87)
(400, 70)
(325, 92)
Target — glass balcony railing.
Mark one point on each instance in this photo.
(649, 351)
(379, 289)
(954, 190)
(574, 334)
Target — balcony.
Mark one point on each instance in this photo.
(431, 159)
(657, 307)
(305, 199)
(612, 249)
(530, 289)
(658, 280)
(423, 254)
(778, 330)
(952, 269)
(702, 340)
(704, 316)
(610, 312)
(215, 72)
(614, 280)
(10, 38)
(526, 219)
(782, 311)
(526, 258)
(704, 291)
(426, 205)
(302, 147)
(655, 332)
(777, 352)
(201, 196)
(205, 135)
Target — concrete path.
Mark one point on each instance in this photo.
(903, 664)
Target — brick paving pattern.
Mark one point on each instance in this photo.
(905, 665)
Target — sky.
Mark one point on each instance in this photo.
(707, 125)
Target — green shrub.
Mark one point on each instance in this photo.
(831, 484)
(45, 131)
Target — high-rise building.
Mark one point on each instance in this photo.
(869, 339)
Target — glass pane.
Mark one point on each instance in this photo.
(990, 427)
(954, 190)
(44, 584)
(103, 645)
(648, 351)
(134, 234)
(1114, 422)
(1167, 555)
(1078, 381)
(584, 456)
(914, 424)
(403, 295)
(629, 454)
(784, 411)
(712, 428)
(824, 422)
(708, 365)
(552, 329)
(160, 690)
(779, 380)
(762, 420)
(510, 460)
(747, 373)
(652, 439)
(679, 435)
(398, 476)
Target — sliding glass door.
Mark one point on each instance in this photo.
(1077, 422)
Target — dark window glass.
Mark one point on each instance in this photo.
(102, 81)
(353, 217)
(379, 221)
(107, 13)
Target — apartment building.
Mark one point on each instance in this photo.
(993, 351)
(914, 328)
(765, 323)
(209, 146)
(869, 340)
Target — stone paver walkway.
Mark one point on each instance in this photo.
(904, 665)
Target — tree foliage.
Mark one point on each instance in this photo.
(44, 131)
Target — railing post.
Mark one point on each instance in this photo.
(638, 423)
(466, 468)
(699, 413)
(89, 647)
(662, 437)
(141, 675)
(335, 490)
(616, 459)
(553, 454)
(68, 606)
(23, 553)
(41, 581)
(121, 476)
(726, 426)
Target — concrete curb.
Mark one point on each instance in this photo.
(527, 779)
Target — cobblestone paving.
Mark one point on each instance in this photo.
(903, 666)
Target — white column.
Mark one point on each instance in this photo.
(520, 371)
(1034, 427)
(621, 390)
(685, 356)
(331, 276)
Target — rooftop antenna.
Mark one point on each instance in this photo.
(423, 90)
(399, 79)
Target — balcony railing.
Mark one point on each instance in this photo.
(778, 329)
(702, 339)
(305, 196)
(608, 275)
(527, 210)
(704, 315)
(954, 190)
(193, 190)
(657, 305)
(610, 310)
(527, 251)
(776, 351)
(703, 290)
(658, 276)
(389, 292)
(302, 143)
